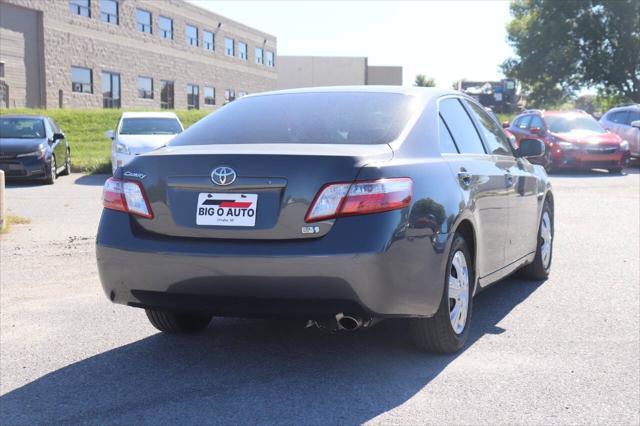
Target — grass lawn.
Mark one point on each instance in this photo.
(84, 129)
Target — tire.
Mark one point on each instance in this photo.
(51, 178)
(437, 334)
(541, 266)
(170, 322)
(67, 165)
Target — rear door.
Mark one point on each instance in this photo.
(521, 185)
(482, 180)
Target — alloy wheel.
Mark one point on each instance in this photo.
(545, 240)
(458, 292)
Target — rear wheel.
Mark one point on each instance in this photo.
(448, 330)
(171, 322)
(539, 269)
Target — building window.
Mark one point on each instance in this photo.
(229, 95)
(1, 69)
(80, 7)
(109, 11)
(208, 40)
(143, 21)
(166, 94)
(110, 90)
(81, 80)
(145, 87)
(242, 50)
(270, 59)
(259, 55)
(166, 27)
(193, 96)
(209, 95)
(228, 46)
(192, 35)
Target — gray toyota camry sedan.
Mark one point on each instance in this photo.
(339, 206)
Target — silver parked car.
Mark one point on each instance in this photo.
(625, 122)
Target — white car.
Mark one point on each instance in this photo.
(140, 132)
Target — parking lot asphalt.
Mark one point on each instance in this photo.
(562, 351)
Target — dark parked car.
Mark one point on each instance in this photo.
(339, 205)
(33, 147)
(573, 140)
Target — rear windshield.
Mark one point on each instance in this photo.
(150, 126)
(22, 128)
(313, 118)
(559, 124)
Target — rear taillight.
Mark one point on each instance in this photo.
(360, 197)
(126, 196)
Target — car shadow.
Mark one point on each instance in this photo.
(23, 183)
(250, 371)
(594, 173)
(92, 180)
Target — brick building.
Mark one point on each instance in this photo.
(128, 53)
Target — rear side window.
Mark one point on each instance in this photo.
(619, 117)
(633, 116)
(493, 135)
(462, 129)
(523, 122)
(306, 118)
(447, 145)
(536, 122)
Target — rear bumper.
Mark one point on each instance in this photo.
(387, 274)
(25, 168)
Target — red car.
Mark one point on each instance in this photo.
(574, 140)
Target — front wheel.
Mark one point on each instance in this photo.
(51, 177)
(67, 164)
(170, 322)
(541, 266)
(448, 330)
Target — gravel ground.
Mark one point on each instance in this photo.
(563, 351)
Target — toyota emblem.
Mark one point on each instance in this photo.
(223, 175)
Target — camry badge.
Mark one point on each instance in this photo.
(223, 175)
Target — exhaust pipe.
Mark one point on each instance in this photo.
(348, 323)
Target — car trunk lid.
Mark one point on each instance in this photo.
(277, 181)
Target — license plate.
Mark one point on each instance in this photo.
(226, 209)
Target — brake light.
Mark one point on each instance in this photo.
(360, 197)
(126, 196)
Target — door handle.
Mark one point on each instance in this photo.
(464, 177)
(508, 178)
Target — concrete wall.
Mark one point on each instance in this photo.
(314, 71)
(384, 75)
(70, 39)
(22, 54)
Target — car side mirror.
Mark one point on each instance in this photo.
(636, 124)
(530, 148)
(505, 124)
(58, 136)
(109, 134)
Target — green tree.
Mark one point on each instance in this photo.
(424, 81)
(562, 46)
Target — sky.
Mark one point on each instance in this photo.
(444, 40)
